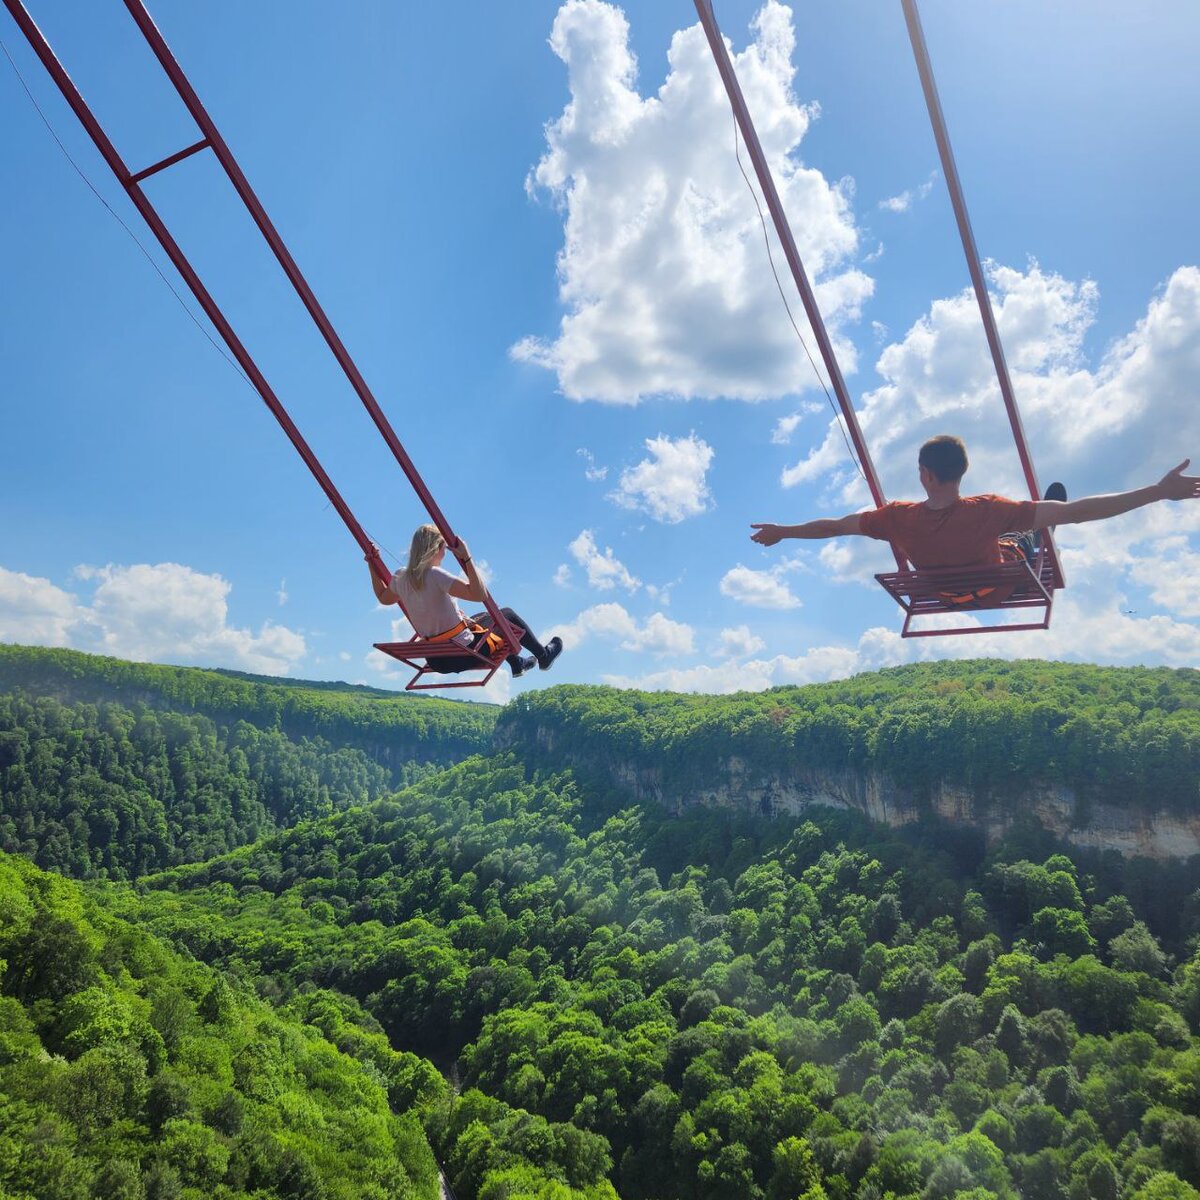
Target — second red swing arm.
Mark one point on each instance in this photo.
(213, 140)
(737, 101)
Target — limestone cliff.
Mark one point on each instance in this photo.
(735, 783)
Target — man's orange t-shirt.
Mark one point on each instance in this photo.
(964, 534)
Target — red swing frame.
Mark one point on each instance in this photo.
(212, 140)
(1026, 586)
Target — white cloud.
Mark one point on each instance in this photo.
(758, 589)
(160, 612)
(739, 642)
(1171, 573)
(1116, 425)
(876, 648)
(604, 570)
(591, 472)
(905, 200)
(786, 426)
(663, 272)
(657, 635)
(281, 595)
(35, 612)
(562, 575)
(1099, 428)
(670, 485)
(167, 611)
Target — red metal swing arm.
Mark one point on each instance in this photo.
(905, 585)
(916, 36)
(213, 140)
(766, 181)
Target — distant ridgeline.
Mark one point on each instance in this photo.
(1106, 757)
(116, 768)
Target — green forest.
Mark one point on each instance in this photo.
(292, 966)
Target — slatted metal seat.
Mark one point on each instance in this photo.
(1028, 586)
(421, 655)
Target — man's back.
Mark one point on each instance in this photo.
(960, 534)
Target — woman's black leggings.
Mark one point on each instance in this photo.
(452, 665)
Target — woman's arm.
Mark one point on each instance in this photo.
(382, 592)
(474, 588)
(828, 527)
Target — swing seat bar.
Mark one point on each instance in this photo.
(421, 655)
(929, 592)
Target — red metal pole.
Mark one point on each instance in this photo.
(131, 183)
(224, 155)
(111, 156)
(916, 36)
(725, 66)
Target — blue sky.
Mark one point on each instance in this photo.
(527, 224)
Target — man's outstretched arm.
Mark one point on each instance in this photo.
(768, 535)
(1174, 485)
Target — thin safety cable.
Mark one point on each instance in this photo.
(120, 221)
(783, 296)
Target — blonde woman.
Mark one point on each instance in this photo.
(427, 594)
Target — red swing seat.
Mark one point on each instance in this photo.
(927, 592)
(421, 653)
(420, 650)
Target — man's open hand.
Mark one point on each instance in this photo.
(768, 535)
(1175, 485)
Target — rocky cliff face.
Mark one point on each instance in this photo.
(737, 784)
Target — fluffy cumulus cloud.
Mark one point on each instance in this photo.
(163, 612)
(611, 623)
(1117, 423)
(876, 648)
(758, 589)
(604, 570)
(1101, 425)
(671, 484)
(904, 201)
(663, 273)
(167, 611)
(739, 642)
(785, 426)
(36, 612)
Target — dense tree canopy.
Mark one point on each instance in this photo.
(573, 994)
(128, 1073)
(1125, 735)
(729, 1007)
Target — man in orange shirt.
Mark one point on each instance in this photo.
(949, 530)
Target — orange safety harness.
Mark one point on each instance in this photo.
(492, 643)
(987, 597)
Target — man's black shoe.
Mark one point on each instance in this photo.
(1055, 491)
(554, 648)
(523, 664)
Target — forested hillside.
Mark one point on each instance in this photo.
(579, 995)
(393, 728)
(112, 768)
(1128, 736)
(722, 1007)
(128, 1073)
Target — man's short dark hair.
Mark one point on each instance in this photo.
(946, 456)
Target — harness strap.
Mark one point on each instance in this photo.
(492, 641)
(986, 597)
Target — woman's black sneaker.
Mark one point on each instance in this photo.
(553, 650)
(1055, 491)
(523, 664)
